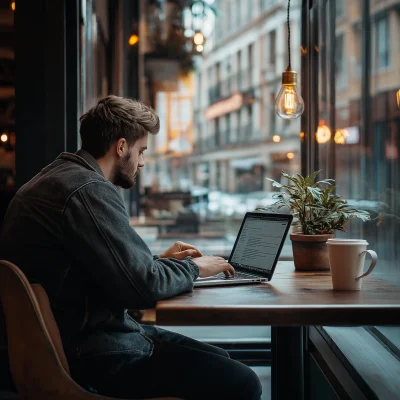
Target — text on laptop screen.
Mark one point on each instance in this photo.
(259, 242)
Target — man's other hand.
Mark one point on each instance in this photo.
(180, 250)
(211, 265)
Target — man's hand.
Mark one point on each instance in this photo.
(211, 265)
(180, 250)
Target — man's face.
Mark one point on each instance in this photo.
(128, 167)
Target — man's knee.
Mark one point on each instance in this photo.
(245, 384)
(252, 386)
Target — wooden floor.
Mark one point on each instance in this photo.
(264, 373)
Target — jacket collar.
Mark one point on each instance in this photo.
(84, 158)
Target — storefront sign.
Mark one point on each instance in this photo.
(226, 106)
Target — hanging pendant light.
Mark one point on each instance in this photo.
(289, 104)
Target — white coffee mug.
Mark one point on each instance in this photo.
(346, 257)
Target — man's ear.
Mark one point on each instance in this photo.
(122, 146)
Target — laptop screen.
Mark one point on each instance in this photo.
(260, 241)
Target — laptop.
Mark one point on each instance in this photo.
(256, 251)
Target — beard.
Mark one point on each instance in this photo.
(125, 175)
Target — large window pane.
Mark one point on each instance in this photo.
(357, 102)
(220, 135)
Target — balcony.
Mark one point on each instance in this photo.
(239, 82)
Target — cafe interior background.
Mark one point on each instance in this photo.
(212, 70)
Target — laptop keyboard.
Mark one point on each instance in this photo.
(238, 275)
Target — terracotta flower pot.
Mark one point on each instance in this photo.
(310, 252)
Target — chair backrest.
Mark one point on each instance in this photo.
(34, 342)
(37, 360)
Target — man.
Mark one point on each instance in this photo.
(68, 230)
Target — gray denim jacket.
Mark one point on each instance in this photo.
(68, 230)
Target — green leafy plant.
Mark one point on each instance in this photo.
(316, 207)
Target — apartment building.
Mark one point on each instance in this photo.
(237, 138)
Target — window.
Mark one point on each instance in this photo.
(250, 65)
(272, 50)
(340, 66)
(340, 11)
(382, 43)
(236, 107)
(238, 13)
(362, 152)
(249, 10)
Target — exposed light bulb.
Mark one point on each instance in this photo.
(289, 104)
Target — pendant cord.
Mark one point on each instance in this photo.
(288, 27)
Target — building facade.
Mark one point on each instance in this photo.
(237, 138)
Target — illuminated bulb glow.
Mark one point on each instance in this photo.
(323, 133)
(4, 137)
(13, 5)
(290, 156)
(289, 102)
(133, 40)
(340, 136)
(199, 48)
(276, 138)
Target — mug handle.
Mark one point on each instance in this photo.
(373, 263)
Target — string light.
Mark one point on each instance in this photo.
(289, 104)
(323, 133)
(4, 137)
(13, 5)
(290, 156)
(340, 136)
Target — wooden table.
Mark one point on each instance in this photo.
(292, 301)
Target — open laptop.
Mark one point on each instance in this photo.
(256, 251)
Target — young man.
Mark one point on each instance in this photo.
(68, 230)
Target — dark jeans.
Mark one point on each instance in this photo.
(179, 366)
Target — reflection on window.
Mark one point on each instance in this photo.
(363, 152)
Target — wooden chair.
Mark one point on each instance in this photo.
(37, 360)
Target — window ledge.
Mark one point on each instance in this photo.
(372, 362)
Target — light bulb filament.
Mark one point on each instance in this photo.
(289, 100)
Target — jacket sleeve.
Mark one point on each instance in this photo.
(99, 238)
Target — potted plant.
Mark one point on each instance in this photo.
(318, 212)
